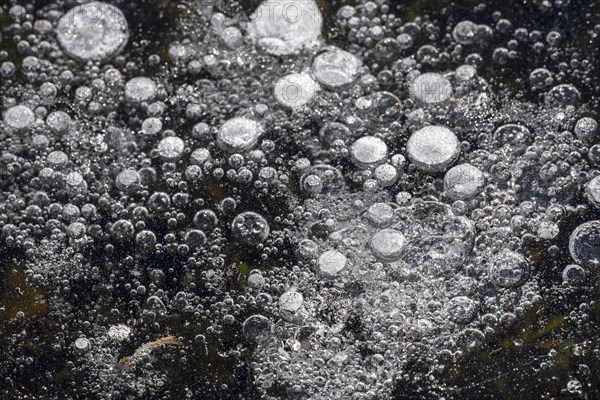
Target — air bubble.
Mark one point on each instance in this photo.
(159, 201)
(461, 309)
(128, 179)
(592, 191)
(145, 240)
(466, 73)
(380, 214)
(547, 230)
(513, 137)
(122, 230)
(200, 156)
(540, 78)
(19, 118)
(574, 274)
(564, 95)
(307, 249)
(331, 263)
(295, 90)
(206, 220)
(250, 227)
(93, 31)
(76, 230)
(335, 68)
(368, 151)
(140, 89)
(152, 126)
(386, 175)
(433, 148)
(57, 159)
(59, 122)
(119, 332)
(171, 148)
(586, 128)
(286, 26)
(465, 32)
(332, 131)
(256, 281)
(431, 88)
(320, 179)
(195, 238)
(584, 244)
(239, 134)
(508, 269)
(232, 37)
(290, 303)
(463, 182)
(257, 328)
(82, 345)
(388, 245)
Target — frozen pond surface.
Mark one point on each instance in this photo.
(299, 199)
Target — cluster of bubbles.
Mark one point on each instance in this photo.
(342, 209)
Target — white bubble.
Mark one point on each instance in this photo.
(239, 134)
(403, 197)
(75, 183)
(335, 68)
(295, 90)
(466, 72)
(368, 151)
(290, 302)
(592, 191)
(331, 263)
(119, 332)
(128, 179)
(431, 88)
(57, 159)
(586, 128)
(76, 230)
(179, 53)
(433, 148)
(92, 31)
(200, 156)
(380, 214)
(256, 280)
(140, 89)
(82, 345)
(463, 182)
(547, 230)
(171, 148)
(19, 117)
(152, 126)
(286, 26)
(388, 245)
(386, 175)
(59, 122)
(232, 37)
